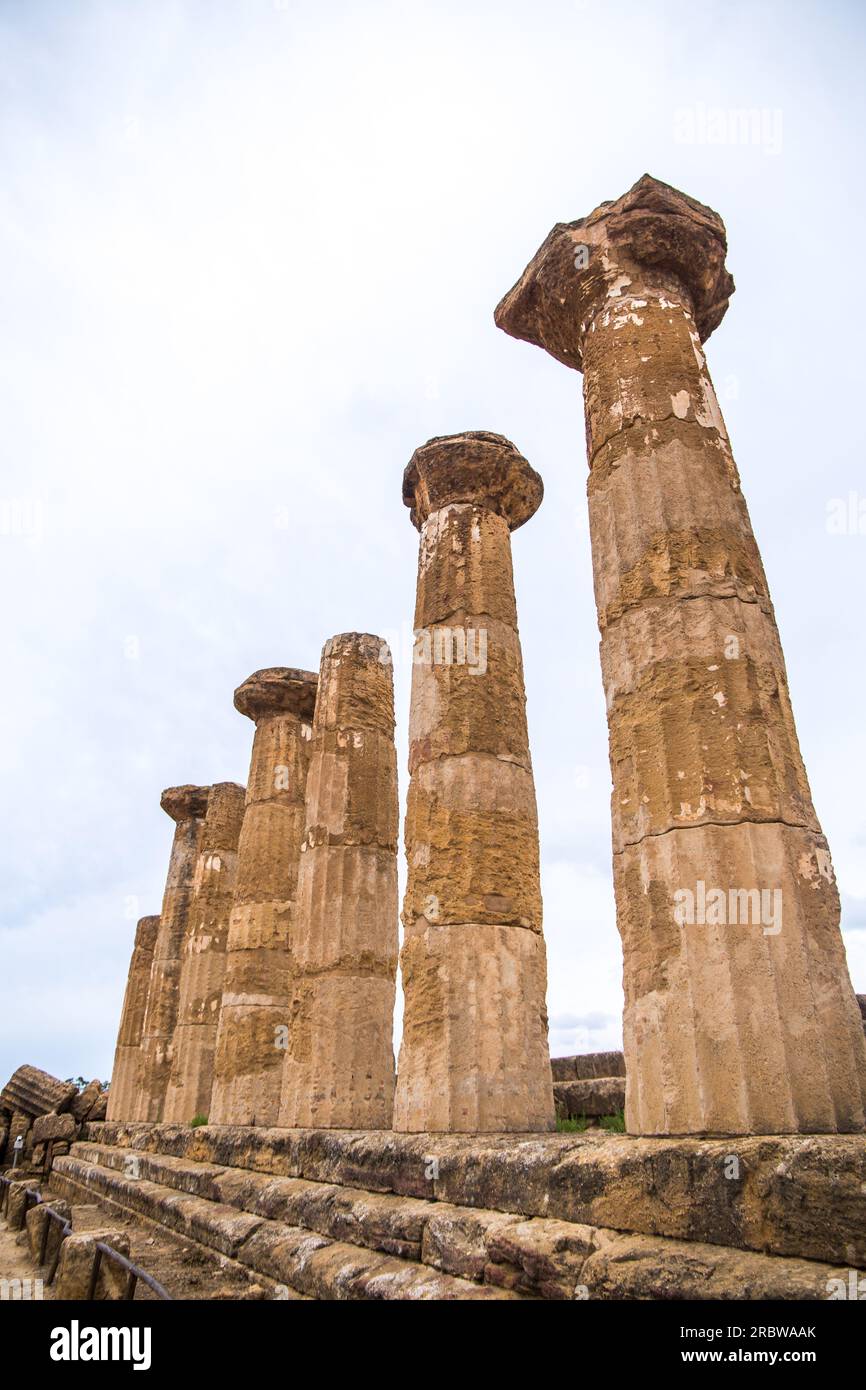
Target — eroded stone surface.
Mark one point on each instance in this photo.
(788, 1194)
(126, 1076)
(339, 1062)
(255, 1006)
(587, 1065)
(187, 806)
(203, 958)
(743, 1021)
(474, 1050)
(30, 1091)
(326, 1240)
(77, 1259)
(589, 1097)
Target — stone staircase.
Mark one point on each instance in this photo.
(590, 1086)
(375, 1215)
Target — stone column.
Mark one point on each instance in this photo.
(126, 1077)
(203, 957)
(339, 1068)
(739, 1012)
(186, 806)
(254, 1013)
(474, 1055)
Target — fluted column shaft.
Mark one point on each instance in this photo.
(203, 957)
(186, 805)
(252, 1034)
(474, 1055)
(126, 1076)
(339, 1067)
(739, 1012)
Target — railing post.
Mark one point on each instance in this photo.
(94, 1273)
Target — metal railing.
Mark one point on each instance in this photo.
(134, 1273)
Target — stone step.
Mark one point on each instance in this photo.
(248, 1215)
(301, 1259)
(798, 1195)
(591, 1098)
(587, 1065)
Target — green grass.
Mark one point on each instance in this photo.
(614, 1124)
(197, 1120)
(571, 1126)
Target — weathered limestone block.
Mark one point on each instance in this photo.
(339, 1065)
(640, 1267)
(731, 1025)
(587, 1065)
(30, 1091)
(75, 1268)
(16, 1204)
(187, 806)
(591, 1097)
(256, 999)
(704, 733)
(127, 1078)
(48, 1127)
(99, 1109)
(474, 1051)
(83, 1103)
(542, 1258)
(204, 953)
(749, 980)
(477, 996)
(456, 1239)
(486, 808)
(37, 1219)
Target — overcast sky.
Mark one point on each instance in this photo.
(250, 257)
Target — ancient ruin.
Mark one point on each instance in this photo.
(339, 1066)
(255, 1007)
(474, 1054)
(187, 806)
(733, 1024)
(256, 1142)
(127, 1076)
(203, 956)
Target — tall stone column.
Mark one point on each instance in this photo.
(187, 806)
(739, 1012)
(474, 1055)
(203, 957)
(254, 1013)
(126, 1077)
(339, 1067)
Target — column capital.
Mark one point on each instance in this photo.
(185, 803)
(473, 467)
(277, 690)
(652, 238)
